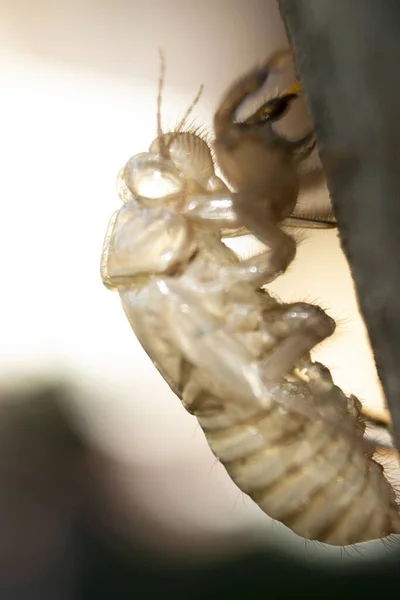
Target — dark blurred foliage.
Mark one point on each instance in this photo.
(51, 547)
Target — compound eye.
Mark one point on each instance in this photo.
(272, 110)
(152, 177)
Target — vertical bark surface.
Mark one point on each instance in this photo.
(346, 55)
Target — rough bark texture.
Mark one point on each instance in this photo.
(346, 56)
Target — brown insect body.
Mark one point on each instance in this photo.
(237, 358)
(266, 170)
(260, 165)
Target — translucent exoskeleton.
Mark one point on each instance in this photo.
(238, 359)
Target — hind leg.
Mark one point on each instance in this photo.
(299, 328)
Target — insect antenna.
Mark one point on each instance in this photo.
(163, 150)
(186, 115)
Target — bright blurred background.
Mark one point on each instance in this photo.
(79, 85)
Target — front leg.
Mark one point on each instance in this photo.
(214, 210)
(230, 209)
(267, 266)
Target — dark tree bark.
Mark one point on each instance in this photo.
(346, 55)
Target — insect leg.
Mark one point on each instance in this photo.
(215, 209)
(229, 369)
(220, 210)
(300, 327)
(265, 267)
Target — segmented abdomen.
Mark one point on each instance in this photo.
(311, 472)
(310, 477)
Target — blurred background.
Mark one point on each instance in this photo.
(79, 85)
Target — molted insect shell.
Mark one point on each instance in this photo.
(152, 177)
(190, 153)
(238, 359)
(193, 158)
